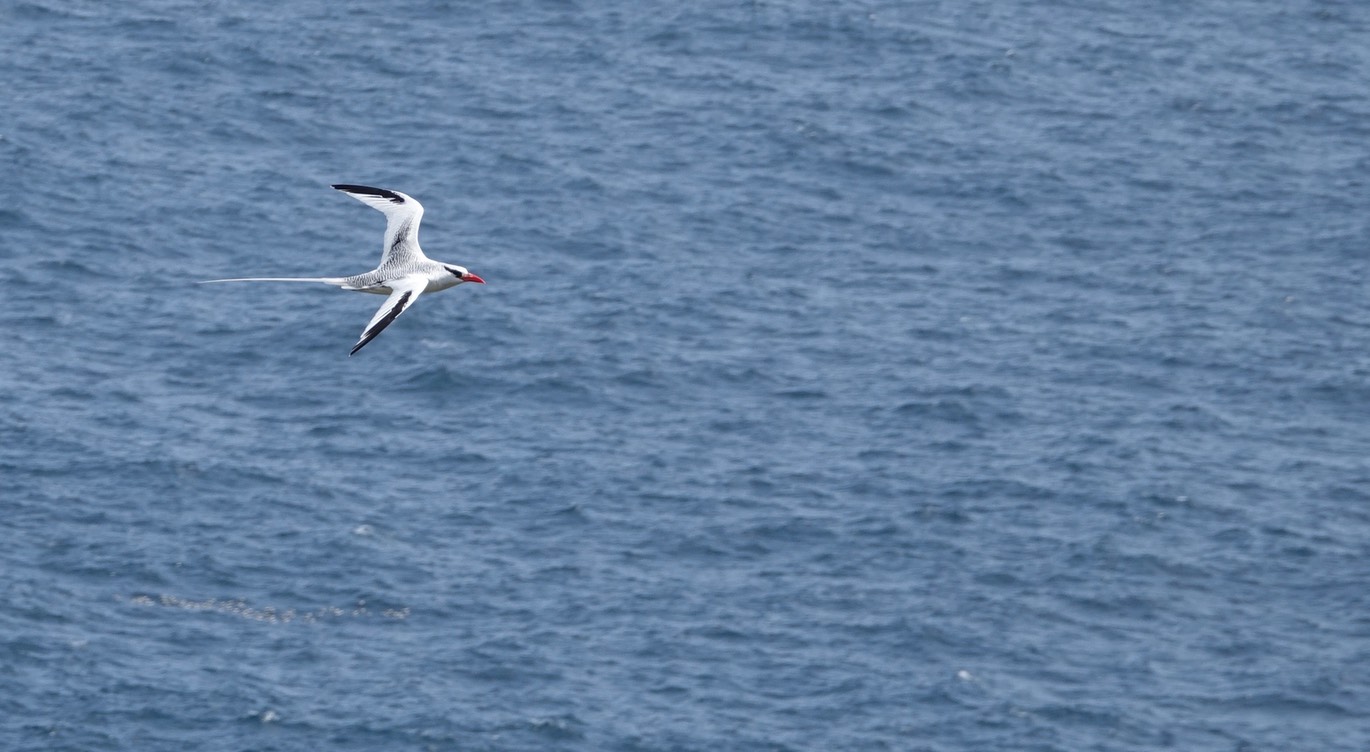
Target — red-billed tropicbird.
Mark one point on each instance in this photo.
(404, 272)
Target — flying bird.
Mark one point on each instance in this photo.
(404, 272)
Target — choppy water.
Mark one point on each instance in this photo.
(910, 376)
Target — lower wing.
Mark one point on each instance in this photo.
(405, 291)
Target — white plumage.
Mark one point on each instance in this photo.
(404, 272)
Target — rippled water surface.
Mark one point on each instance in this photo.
(870, 375)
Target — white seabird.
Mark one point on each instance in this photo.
(404, 272)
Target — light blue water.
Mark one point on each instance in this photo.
(910, 376)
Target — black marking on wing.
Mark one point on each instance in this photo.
(380, 326)
(365, 190)
(401, 235)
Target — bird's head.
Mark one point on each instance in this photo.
(463, 275)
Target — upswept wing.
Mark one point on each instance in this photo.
(404, 291)
(402, 215)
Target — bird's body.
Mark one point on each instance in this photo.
(404, 272)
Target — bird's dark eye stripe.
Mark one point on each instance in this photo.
(454, 272)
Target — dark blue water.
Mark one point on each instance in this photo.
(850, 376)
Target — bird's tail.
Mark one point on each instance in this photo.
(325, 280)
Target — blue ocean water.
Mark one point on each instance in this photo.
(849, 376)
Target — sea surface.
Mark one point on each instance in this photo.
(869, 375)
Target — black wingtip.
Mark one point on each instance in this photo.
(380, 326)
(367, 190)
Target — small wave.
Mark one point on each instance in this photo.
(270, 614)
(443, 379)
